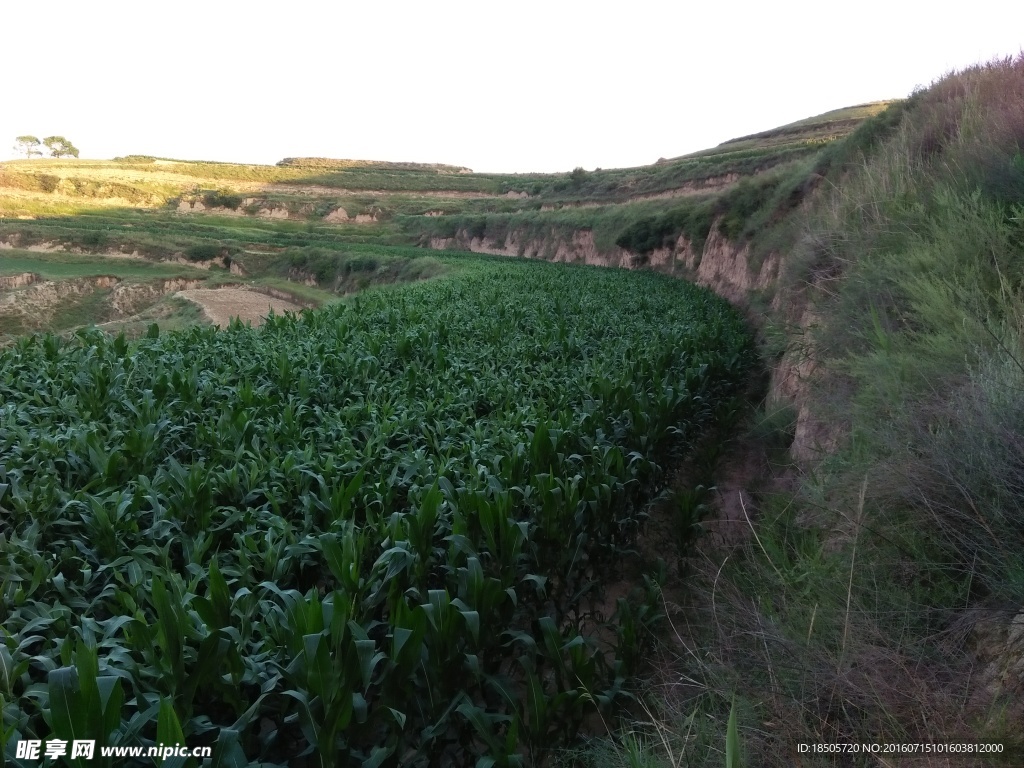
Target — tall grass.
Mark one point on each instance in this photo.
(927, 237)
(913, 258)
(859, 605)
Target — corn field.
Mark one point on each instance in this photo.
(372, 534)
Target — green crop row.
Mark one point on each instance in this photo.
(375, 532)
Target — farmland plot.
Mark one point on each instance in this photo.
(372, 533)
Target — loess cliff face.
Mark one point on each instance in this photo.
(577, 248)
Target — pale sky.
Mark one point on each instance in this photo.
(496, 86)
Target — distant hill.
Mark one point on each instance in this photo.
(327, 163)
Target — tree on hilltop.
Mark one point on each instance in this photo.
(29, 145)
(60, 147)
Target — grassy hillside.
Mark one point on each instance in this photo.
(40, 186)
(876, 594)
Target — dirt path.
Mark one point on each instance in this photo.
(222, 304)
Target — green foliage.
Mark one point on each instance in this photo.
(732, 740)
(911, 256)
(204, 252)
(12, 325)
(841, 156)
(743, 209)
(347, 176)
(165, 235)
(740, 211)
(48, 183)
(84, 704)
(861, 585)
(690, 220)
(824, 128)
(94, 239)
(690, 507)
(60, 147)
(968, 476)
(705, 171)
(354, 269)
(774, 426)
(221, 199)
(366, 534)
(640, 226)
(29, 145)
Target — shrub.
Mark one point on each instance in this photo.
(743, 207)
(204, 252)
(360, 264)
(222, 200)
(692, 220)
(475, 227)
(840, 155)
(48, 183)
(969, 479)
(97, 238)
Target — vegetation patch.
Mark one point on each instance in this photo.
(381, 528)
(58, 266)
(220, 199)
(80, 310)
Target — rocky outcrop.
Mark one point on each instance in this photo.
(198, 206)
(38, 300)
(302, 276)
(18, 281)
(576, 248)
(217, 261)
(999, 648)
(726, 269)
(273, 212)
(15, 241)
(130, 298)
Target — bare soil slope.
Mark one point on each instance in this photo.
(222, 304)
